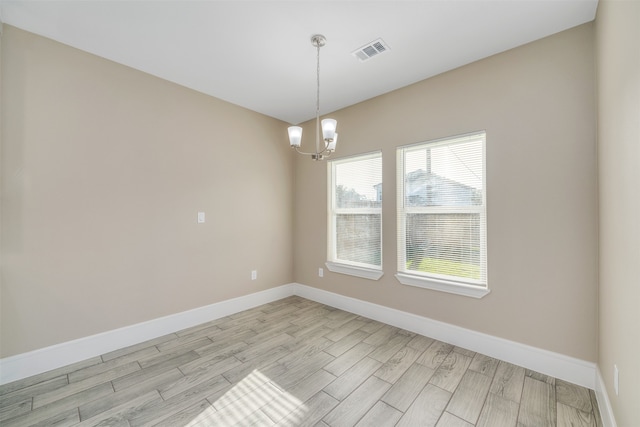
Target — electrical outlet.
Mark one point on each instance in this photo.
(320, 272)
(254, 274)
(616, 382)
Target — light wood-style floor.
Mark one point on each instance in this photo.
(295, 362)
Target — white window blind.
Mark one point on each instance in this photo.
(355, 215)
(442, 234)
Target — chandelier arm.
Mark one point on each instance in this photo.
(317, 156)
(305, 153)
(326, 146)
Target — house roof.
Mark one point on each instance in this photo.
(430, 189)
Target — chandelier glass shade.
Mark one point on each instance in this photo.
(325, 128)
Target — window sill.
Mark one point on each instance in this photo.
(365, 273)
(442, 285)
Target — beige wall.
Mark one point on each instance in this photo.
(104, 169)
(537, 106)
(618, 52)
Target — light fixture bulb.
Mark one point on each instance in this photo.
(295, 136)
(331, 146)
(328, 129)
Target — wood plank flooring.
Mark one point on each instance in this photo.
(295, 362)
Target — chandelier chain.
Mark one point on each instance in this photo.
(318, 81)
(318, 96)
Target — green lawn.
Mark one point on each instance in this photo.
(443, 266)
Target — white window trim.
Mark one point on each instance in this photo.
(442, 285)
(364, 272)
(430, 281)
(333, 265)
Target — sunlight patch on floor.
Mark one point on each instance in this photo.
(254, 400)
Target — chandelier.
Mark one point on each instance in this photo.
(329, 135)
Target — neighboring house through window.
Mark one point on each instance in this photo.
(355, 216)
(442, 237)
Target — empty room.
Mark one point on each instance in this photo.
(185, 241)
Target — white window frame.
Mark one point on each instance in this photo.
(466, 287)
(334, 264)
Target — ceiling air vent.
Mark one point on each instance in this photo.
(370, 50)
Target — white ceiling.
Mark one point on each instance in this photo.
(258, 54)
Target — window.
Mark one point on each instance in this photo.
(442, 226)
(355, 216)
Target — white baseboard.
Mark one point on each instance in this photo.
(45, 359)
(606, 411)
(557, 365)
(546, 362)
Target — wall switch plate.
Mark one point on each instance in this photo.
(616, 382)
(200, 217)
(320, 272)
(254, 274)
